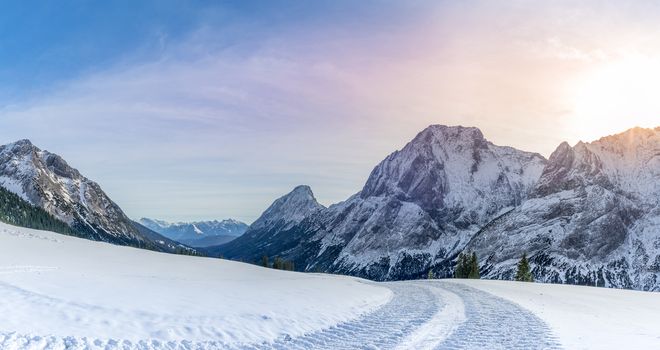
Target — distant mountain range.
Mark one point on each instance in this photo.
(44, 180)
(590, 214)
(198, 233)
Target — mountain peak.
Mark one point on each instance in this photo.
(22, 146)
(301, 195)
(446, 167)
(445, 133)
(45, 180)
(631, 138)
(23, 142)
(622, 161)
(289, 209)
(563, 146)
(302, 190)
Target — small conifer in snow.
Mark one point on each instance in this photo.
(524, 274)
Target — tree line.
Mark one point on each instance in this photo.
(278, 263)
(467, 266)
(14, 210)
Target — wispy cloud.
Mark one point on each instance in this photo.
(220, 123)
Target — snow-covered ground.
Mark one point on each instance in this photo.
(586, 317)
(59, 292)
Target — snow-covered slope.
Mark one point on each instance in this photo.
(65, 292)
(61, 292)
(46, 180)
(585, 317)
(422, 203)
(198, 233)
(457, 172)
(594, 217)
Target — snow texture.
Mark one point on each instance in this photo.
(64, 292)
(585, 317)
(61, 292)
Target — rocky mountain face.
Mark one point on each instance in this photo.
(418, 209)
(45, 180)
(199, 233)
(588, 215)
(275, 230)
(593, 218)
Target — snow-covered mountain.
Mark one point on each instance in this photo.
(45, 180)
(272, 232)
(588, 215)
(593, 218)
(418, 209)
(198, 233)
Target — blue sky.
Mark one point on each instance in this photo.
(187, 110)
(45, 43)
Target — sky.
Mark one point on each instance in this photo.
(194, 110)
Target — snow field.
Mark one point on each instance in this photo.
(586, 317)
(58, 289)
(59, 292)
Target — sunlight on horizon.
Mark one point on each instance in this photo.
(615, 96)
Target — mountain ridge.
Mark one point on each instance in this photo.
(285, 213)
(450, 190)
(45, 180)
(198, 233)
(414, 207)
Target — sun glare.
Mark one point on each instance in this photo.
(616, 96)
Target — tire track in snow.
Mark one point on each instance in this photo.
(434, 315)
(421, 315)
(443, 323)
(412, 306)
(494, 323)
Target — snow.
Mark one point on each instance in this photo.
(289, 209)
(631, 159)
(64, 289)
(444, 323)
(418, 209)
(13, 186)
(186, 232)
(586, 317)
(61, 292)
(197, 230)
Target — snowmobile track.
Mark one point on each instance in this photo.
(421, 315)
(488, 322)
(494, 323)
(408, 309)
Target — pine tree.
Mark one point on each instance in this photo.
(524, 274)
(462, 266)
(288, 265)
(16, 211)
(474, 267)
(430, 276)
(264, 261)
